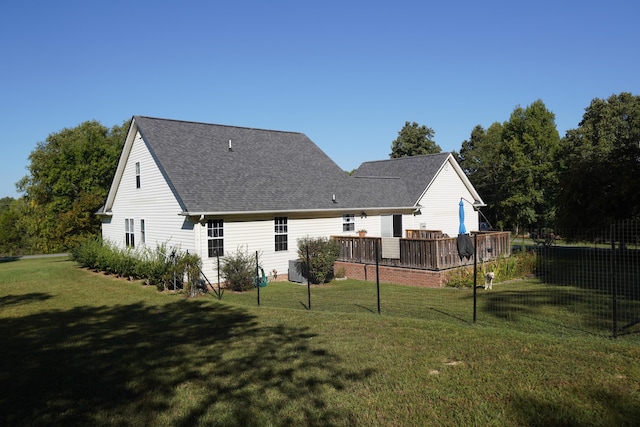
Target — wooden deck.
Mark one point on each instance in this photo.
(424, 253)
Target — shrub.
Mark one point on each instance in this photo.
(238, 269)
(460, 278)
(152, 266)
(323, 253)
(516, 266)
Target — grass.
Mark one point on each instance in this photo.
(80, 348)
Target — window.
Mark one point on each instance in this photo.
(348, 222)
(143, 237)
(215, 234)
(129, 238)
(137, 174)
(281, 233)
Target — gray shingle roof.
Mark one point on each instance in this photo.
(415, 172)
(265, 170)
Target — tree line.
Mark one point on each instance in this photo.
(531, 178)
(527, 174)
(69, 177)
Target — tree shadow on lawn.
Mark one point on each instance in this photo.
(9, 300)
(599, 406)
(178, 364)
(588, 311)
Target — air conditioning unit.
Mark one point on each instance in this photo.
(295, 272)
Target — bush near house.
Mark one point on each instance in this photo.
(156, 267)
(322, 253)
(239, 269)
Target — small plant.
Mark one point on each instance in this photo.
(459, 278)
(238, 269)
(322, 254)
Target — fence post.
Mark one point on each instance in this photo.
(377, 275)
(308, 280)
(257, 280)
(218, 259)
(475, 275)
(614, 291)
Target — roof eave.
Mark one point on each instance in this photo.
(291, 211)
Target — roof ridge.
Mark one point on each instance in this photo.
(216, 124)
(408, 157)
(376, 177)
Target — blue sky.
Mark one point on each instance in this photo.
(348, 74)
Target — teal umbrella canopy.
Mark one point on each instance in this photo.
(462, 229)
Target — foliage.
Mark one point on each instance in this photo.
(11, 238)
(153, 266)
(186, 269)
(602, 169)
(238, 269)
(515, 166)
(414, 140)
(531, 147)
(517, 266)
(322, 253)
(69, 177)
(482, 161)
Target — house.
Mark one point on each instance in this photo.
(212, 189)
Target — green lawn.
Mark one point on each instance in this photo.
(80, 348)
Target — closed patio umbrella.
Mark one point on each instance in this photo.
(463, 242)
(462, 229)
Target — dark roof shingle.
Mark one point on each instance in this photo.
(415, 172)
(265, 170)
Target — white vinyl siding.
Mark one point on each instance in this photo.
(154, 201)
(441, 202)
(251, 233)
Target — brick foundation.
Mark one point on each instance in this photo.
(400, 276)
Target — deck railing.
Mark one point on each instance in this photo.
(427, 254)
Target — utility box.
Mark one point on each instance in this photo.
(295, 272)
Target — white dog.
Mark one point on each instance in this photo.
(488, 280)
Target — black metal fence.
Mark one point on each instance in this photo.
(599, 275)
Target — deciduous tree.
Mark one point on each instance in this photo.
(530, 149)
(69, 177)
(602, 155)
(514, 167)
(414, 140)
(481, 159)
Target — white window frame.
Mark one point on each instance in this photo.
(215, 237)
(129, 233)
(138, 175)
(349, 222)
(281, 233)
(143, 231)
